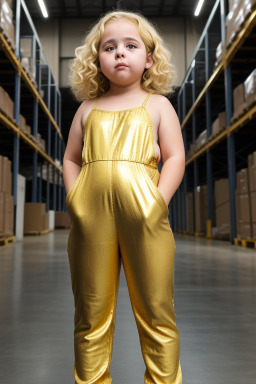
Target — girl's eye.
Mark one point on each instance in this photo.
(108, 49)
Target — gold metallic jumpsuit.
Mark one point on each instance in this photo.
(119, 215)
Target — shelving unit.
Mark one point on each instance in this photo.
(205, 92)
(38, 99)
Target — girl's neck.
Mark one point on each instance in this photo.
(130, 90)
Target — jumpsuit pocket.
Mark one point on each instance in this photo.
(150, 174)
(74, 186)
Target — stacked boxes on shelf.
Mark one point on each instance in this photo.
(6, 198)
(23, 126)
(222, 205)
(36, 219)
(252, 191)
(239, 11)
(243, 212)
(239, 102)
(250, 89)
(6, 21)
(219, 124)
(6, 103)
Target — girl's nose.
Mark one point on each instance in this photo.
(120, 52)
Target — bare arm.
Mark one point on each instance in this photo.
(172, 150)
(72, 160)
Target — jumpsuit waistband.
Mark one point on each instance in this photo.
(153, 165)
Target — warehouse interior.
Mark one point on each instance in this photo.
(212, 214)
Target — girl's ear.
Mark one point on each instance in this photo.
(149, 61)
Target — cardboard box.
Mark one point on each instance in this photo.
(221, 191)
(2, 201)
(242, 181)
(2, 98)
(62, 220)
(223, 216)
(243, 213)
(34, 217)
(22, 123)
(215, 127)
(6, 175)
(252, 200)
(8, 212)
(252, 171)
(244, 230)
(239, 101)
(222, 120)
(9, 106)
(250, 88)
(253, 230)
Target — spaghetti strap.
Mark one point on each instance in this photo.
(146, 99)
(97, 102)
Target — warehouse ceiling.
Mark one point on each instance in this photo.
(94, 8)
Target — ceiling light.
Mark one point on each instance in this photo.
(43, 8)
(198, 7)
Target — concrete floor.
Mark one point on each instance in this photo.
(215, 305)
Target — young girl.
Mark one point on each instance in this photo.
(117, 200)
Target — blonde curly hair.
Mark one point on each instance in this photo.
(87, 82)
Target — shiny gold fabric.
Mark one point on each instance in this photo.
(119, 215)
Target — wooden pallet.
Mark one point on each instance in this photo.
(37, 233)
(199, 234)
(8, 117)
(250, 243)
(7, 39)
(7, 240)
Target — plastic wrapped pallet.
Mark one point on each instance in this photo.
(219, 53)
(202, 139)
(249, 6)
(250, 89)
(234, 21)
(6, 21)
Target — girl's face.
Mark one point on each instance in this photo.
(121, 43)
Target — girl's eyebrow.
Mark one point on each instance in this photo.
(113, 41)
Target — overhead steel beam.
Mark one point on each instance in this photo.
(79, 8)
(176, 7)
(62, 7)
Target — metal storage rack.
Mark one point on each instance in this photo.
(204, 93)
(40, 103)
